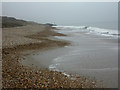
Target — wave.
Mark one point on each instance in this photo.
(89, 29)
(103, 31)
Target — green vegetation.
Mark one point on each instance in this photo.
(13, 22)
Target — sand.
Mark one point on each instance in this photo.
(21, 41)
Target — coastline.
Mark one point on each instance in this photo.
(27, 39)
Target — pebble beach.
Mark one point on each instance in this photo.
(31, 38)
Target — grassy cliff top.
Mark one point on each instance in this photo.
(8, 22)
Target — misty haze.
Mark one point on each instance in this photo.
(60, 45)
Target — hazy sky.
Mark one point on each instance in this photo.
(68, 13)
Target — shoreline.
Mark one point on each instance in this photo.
(15, 75)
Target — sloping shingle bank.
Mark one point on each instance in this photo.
(15, 75)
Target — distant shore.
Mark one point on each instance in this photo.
(20, 41)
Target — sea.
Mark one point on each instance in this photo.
(93, 52)
(101, 28)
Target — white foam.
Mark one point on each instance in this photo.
(66, 46)
(105, 32)
(88, 30)
(66, 74)
(70, 27)
(53, 67)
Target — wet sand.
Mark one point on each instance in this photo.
(88, 55)
(18, 43)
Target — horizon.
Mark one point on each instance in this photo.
(64, 13)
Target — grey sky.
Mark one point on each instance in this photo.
(63, 13)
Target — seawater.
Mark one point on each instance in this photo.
(93, 52)
(90, 29)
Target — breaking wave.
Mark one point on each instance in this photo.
(89, 29)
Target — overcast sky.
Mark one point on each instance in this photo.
(68, 13)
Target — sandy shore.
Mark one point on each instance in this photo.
(18, 40)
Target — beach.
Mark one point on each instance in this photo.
(0, 58)
(20, 42)
(89, 54)
(54, 45)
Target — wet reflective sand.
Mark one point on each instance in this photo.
(88, 55)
